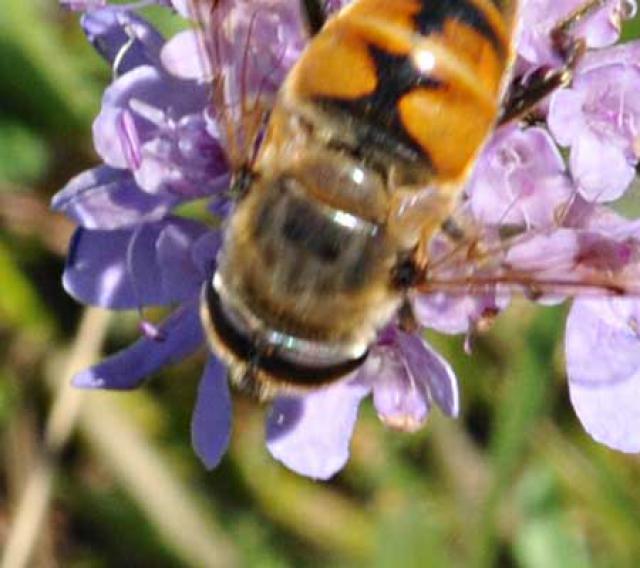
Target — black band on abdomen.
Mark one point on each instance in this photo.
(268, 361)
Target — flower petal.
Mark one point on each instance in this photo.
(122, 269)
(310, 434)
(152, 86)
(184, 55)
(627, 53)
(181, 277)
(600, 168)
(603, 365)
(429, 367)
(605, 327)
(205, 251)
(183, 7)
(453, 314)
(184, 161)
(116, 138)
(211, 420)
(136, 107)
(179, 335)
(81, 5)
(566, 118)
(539, 16)
(603, 28)
(96, 269)
(520, 178)
(401, 402)
(109, 198)
(122, 37)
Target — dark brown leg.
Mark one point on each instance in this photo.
(406, 318)
(454, 232)
(523, 96)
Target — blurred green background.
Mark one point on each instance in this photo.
(110, 479)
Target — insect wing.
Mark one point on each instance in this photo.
(245, 48)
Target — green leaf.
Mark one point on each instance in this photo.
(528, 377)
(20, 306)
(548, 542)
(40, 78)
(411, 537)
(547, 537)
(23, 154)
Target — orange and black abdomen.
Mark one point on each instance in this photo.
(416, 82)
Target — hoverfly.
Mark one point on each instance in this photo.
(346, 178)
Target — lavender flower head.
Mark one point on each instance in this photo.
(162, 147)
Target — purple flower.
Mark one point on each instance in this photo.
(540, 16)
(254, 46)
(520, 179)
(88, 5)
(260, 41)
(122, 37)
(154, 263)
(110, 198)
(460, 313)
(527, 222)
(579, 261)
(152, 124)
(599, 119)
(334, 5)
(82, 5)
(300, 436)
(603, 364)
(404, 374)
(455, 313)
(407, 376)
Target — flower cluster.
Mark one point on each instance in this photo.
(162, 147)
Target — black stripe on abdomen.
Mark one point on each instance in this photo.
(434, 14)
(374, 118)
(270, 361)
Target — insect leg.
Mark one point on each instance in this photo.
(522, 97)
(406, 318)
(314, 13)
(454, 232)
